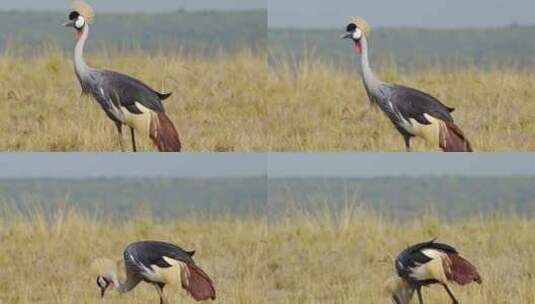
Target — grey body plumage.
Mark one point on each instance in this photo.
(408, 109)
(117, 93)
(122, 97)
(140, 256)
(402, 105)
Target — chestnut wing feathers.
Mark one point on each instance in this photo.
(199, 285)
(461, 271)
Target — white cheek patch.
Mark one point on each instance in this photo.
(101, 282)
(357, 34)
(79, 22)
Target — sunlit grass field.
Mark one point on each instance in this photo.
(218, 103)
(297, 258)
(315, 106)
(236, 103)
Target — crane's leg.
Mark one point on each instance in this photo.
(452, 297)
(133, 139)
(419, 292)
(407, 143)
(120, 134)
(161, 293)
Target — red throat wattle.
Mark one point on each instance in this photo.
(358, 47)
(77, 34)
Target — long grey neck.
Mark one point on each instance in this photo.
(80, 67)
(123, 287)
(371, 82)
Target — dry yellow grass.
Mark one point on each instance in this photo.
(218, 103)
(320, 108)
(236, 103)
(298, 259)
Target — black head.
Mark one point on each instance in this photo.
(74, 15)
(353, 32)
(76, 20)
(103, 284)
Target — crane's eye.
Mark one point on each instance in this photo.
(357, 34)
(80, 22)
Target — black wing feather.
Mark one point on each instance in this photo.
(413, 256)
(414, 104)
(132, 108)
(130, 90)
(152, 253)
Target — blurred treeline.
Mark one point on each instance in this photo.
(411, 48)
(404, 197)
(199, 33)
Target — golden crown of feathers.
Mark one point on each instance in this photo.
(103, 265)
(361, 24)
(84, 9)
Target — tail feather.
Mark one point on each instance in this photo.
(198, 283)
(164, 134)
(461, 271)
(452, 139)
(164, 96)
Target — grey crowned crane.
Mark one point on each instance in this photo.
(413, 113)
(429, 263)
(125, 100)
(159, 264)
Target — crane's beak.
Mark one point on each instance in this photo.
(346, 36)
(69, 24)
(102, 292)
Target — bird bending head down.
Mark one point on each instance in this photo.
(426, 264)
(356, 30)
(106, 272)
(399, 290)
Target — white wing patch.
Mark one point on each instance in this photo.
(428, 132)
(139, 122)
(433, 269)
(173, 275)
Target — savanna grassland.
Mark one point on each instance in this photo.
(299, 258)
(236, 103)
(317, 106)
(218, 103)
